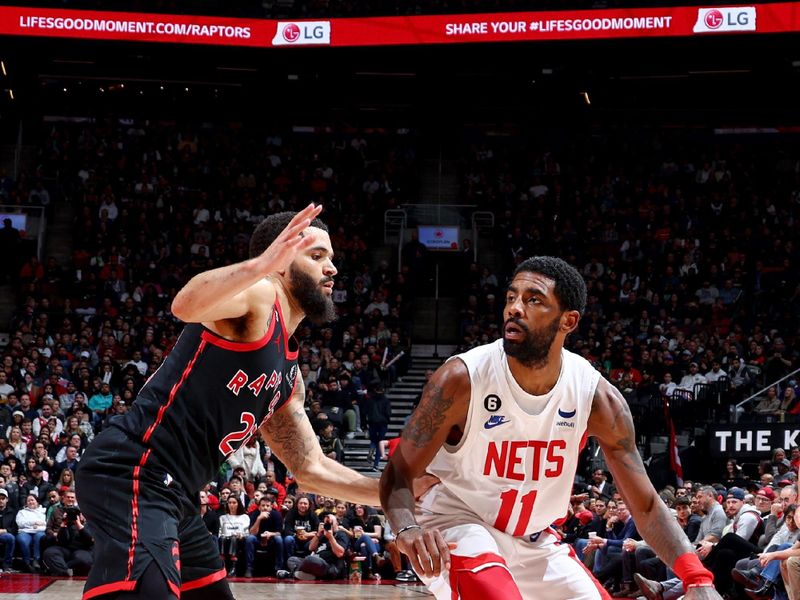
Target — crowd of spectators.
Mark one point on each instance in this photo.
(275, 529)
(154, 204)
(744, 530)
(688, 247)
(689, 257)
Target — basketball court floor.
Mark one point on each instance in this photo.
(34, 587)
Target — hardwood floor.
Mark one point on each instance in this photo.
(30, 587)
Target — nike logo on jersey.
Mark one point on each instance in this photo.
(494, 421)
(566, 415)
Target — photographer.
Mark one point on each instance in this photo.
(71, 545)
(326, 560)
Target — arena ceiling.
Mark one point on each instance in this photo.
(708, 81)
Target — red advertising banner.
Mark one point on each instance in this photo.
(388, 31)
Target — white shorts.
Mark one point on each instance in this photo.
(544, 569)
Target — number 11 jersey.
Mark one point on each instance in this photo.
(515, 464)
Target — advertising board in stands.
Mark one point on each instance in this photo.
(389, 31)
(752, 439)
(436, 237)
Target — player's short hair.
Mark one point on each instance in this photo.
(271, 227)
(570, 288)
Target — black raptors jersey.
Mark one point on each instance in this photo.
(209, 397)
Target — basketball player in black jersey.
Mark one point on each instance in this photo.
(232, 371)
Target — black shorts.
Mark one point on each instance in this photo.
(137, 513)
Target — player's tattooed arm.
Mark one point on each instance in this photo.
(285, 440)
(292, 439)
(429, 415)
(444, 403)
(611, 423)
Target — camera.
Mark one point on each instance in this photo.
(72, 513)
(328, 526)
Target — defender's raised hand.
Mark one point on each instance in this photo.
(280, 254)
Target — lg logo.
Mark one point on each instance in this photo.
(714, 19)
(722, 19)
(291, 33)
(305, 32)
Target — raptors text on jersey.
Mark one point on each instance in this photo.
(209, 397)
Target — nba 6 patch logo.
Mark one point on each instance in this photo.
(492, 403)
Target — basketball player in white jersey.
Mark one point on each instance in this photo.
(502, 426)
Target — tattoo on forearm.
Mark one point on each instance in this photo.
(623, 426)
(294, 449)
(621, 417)
(428, 417)
(663, 533)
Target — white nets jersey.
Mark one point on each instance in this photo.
(516, 461)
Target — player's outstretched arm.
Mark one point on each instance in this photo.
(611, 423)
(444, 404)
(222, 293)
(291, 437)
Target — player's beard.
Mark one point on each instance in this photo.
(317, 307)
(534, 349)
